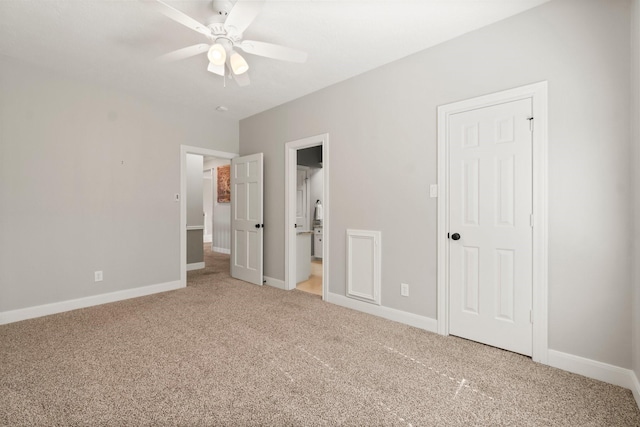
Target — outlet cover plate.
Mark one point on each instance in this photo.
(404, 289)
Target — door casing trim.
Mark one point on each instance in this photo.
(290, 168)
(537, 92)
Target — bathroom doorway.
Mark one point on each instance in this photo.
(309, 219)
(306, 210)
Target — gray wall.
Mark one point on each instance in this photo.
(195, 209)
(195, 249)
(316, 186)
(382, 127)
(87, 182)
(311, 156)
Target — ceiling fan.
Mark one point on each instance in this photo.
(225, 38)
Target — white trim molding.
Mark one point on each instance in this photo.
(593, 369)
(195, 266)
(415, 320)
(221, 250)
(537, 92)
(635, 387)
(74, 304)
(276, 283)
(290, 169)
(195, 227)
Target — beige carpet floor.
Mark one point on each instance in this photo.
(224, 352)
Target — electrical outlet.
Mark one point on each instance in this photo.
(404, 289)
(433, 191)
(97, 276)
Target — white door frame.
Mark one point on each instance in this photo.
(184, 150)
(537, 92)
(290, 168)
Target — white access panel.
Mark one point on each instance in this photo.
(364, 265)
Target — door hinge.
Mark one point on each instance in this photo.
(530, 123)
(531, 220)
(530, 316)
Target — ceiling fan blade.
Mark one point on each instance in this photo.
(273, 51)
(216, 69)
(181, 18)
(185, 52)
(242, 15)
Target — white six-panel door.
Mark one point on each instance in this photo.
(490, 208)
(247, 218)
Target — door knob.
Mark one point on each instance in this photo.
(455, 236)
(257, 225)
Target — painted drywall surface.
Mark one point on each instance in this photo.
(316, 184)
(382, 130)
(195, 210)
(311, 156)
(221, 211)
(87, 182)
(194, 190)
(195, 249)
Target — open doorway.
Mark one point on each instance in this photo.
(192, 212)
(216, 204)
(306, 210)
(309, 219)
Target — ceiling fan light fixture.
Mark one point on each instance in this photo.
(238, 64)
(217, 54)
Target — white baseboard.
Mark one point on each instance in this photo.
(207, 238)
(635, 387)
(422, 322)
(276, 283)
(62, 306)
(592, 369)
(195, 266)
(221, 250)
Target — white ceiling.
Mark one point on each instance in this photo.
(115, 43)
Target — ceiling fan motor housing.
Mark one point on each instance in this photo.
(222, 7)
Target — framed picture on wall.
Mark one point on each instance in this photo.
(224, 184)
